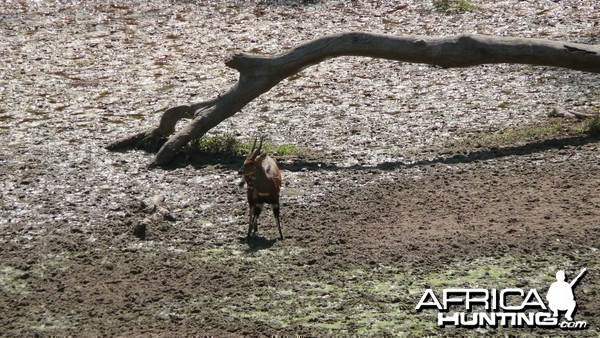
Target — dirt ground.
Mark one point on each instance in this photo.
(408, 176)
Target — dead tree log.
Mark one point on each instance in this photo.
(258, 74)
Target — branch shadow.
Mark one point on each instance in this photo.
(522, 150)
(473, 156)
(200, 160)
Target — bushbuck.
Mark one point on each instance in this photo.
(263, 181)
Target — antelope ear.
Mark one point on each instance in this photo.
(262, 156)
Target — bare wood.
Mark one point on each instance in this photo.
(258, 74)
(150, 138)
(561, 112)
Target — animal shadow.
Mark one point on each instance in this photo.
(257, 243)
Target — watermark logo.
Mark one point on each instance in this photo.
(512, 307)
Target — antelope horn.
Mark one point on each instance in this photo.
(253, 146)
(260, 145)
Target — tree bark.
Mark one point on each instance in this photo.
(258, 74)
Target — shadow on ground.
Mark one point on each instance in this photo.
(200, 159)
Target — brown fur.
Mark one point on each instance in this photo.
(263, 180)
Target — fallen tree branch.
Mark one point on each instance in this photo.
(258, 74)
(561, 112)
(151, 139)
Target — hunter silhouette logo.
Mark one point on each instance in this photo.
(512, 307)
(560, 295)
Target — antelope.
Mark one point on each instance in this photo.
(263, 181)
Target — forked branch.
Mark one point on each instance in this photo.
(258, 74)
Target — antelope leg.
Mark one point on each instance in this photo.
(276, 214)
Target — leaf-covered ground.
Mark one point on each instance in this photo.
(409, 176)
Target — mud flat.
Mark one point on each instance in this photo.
(409, 176)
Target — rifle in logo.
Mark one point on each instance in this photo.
(560, 296)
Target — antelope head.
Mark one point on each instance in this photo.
(255, 155)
